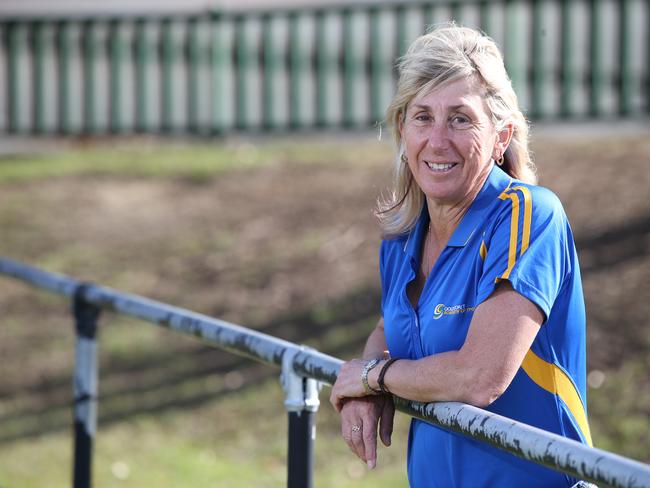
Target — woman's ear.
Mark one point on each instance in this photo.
(504, 136)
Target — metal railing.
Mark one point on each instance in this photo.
(309, 67)
(302, 370)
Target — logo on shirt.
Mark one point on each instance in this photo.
(442, 309)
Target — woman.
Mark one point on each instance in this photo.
(481, 295)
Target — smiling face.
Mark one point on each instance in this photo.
(449, 140)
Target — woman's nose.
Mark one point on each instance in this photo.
(438, 136)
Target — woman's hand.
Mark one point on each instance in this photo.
(348, 383)
(360, 418)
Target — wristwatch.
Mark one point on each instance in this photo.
(364, 376)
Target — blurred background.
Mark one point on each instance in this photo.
(225, 157)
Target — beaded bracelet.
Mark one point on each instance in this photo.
(382, 373)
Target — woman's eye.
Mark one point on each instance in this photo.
(422, 117)
(460, 122)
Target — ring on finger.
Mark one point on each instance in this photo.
(356, 428)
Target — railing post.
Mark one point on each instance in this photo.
(301, 401)
(85, 388)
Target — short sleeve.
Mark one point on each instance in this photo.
(529, 246)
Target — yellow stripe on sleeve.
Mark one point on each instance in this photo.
(514, 226)
(528, 216)
(554, 380)
(514, 229)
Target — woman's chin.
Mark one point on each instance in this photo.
(443, 194)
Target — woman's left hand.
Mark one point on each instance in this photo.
(348, 383)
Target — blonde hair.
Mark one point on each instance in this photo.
(446, 54)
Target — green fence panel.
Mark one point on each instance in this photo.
(166, 66)
(63, 63)
(351, 67)
(646, 85)
(626, 81)
(377, 66)
(537, 53)
(90, 57)
(220, 74)
(244, 72)
(299, 67)
(567, 60)
(428, 16)
(13, 82)
(142, 60)
(457, 12)
(116, 48)
(597, 78)
(401, 29)
(38, 88)
(515, 42)
(314, 66)
(193, 63)
(273, 67)
(485, 16)
(326, 67)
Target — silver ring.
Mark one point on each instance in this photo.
(356, 428)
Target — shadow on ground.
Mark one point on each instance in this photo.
(623, 242)
(161, 379)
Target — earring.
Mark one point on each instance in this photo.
(403, 158)
(499, 160)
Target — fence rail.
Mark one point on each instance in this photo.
(311, 67)
(300, 363)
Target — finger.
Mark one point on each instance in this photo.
(336, 400)
(370, 444)
(386, 422)
(351, 434)
(356, 441)
(352, 439)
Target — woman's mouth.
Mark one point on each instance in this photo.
(440, 167)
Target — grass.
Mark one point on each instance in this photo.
(154, 158)
(237, 440)
(266, 239)
(164, 418)
(189, 161)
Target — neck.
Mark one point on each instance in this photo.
(445, 218)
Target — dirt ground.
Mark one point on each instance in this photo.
(292, 249)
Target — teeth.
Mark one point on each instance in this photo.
(441, 166)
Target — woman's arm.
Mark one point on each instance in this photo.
(501, 333)
(376, 343)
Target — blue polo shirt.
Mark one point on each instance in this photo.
(516, 232)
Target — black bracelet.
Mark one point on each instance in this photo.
(382, 373)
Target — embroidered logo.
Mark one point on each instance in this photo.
(442, 309)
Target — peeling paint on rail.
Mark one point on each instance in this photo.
(531, 443)
(522, 440)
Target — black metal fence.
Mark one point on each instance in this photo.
(302, 369)
(312, 67)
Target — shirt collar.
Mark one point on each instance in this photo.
(496, 182)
